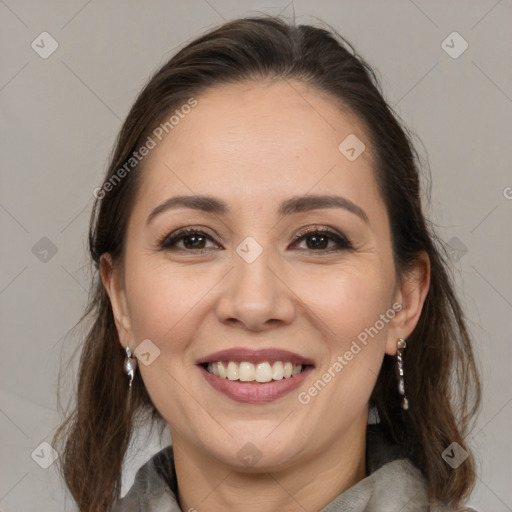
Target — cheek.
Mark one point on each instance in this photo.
(162, 300)
(349, 300)
(354, 307)
(343, 302)
(165, 304)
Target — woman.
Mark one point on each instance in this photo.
(264, 258)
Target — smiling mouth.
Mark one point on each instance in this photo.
(255, 376)
(255, 373)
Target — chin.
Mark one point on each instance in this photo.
(256, 453)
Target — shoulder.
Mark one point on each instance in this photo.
(154, 488)
(394, 482)
(400, 485)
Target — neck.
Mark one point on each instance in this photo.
(205, 483)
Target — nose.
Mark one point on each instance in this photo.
(256, 295)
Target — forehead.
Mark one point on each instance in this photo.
(259, 140)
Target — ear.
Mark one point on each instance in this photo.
(113, 281)
(411, 294)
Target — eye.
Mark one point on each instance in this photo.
(318, 239)
(192, 239)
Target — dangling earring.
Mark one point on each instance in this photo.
(401, 344)
(130, 365)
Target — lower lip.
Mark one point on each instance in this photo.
(254, 392)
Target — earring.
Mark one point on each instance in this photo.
(130, 365)
(401, 344)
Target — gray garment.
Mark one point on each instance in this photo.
(393, 484)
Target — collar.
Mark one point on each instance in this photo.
(393, 483)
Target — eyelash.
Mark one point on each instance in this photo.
(168, 241)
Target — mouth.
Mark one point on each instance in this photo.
(250, 376)
(261, 372)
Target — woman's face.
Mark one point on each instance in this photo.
(258, 284)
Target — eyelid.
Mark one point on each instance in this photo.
(182, 232)
(341, 240)
(315, 229)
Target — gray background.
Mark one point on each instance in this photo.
(60, 116)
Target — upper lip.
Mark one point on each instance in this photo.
(255, 356)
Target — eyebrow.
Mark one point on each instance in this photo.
(298, 204)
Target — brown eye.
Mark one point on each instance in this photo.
(191, 239)
(318, 240)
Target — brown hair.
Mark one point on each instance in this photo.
(441, 376)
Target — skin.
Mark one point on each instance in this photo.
(254, 145)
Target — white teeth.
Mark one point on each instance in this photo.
(221, 370)
(263, 372)
(248, 372)
(232, 371)
(277, 370)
